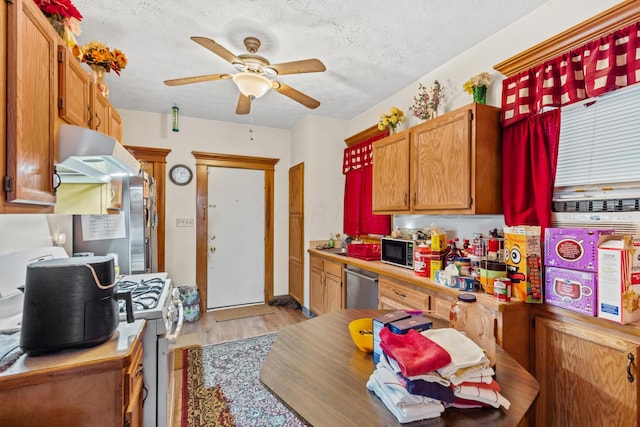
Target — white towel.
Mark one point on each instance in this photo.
(463, 351)
(483, 395)
(480, 374)
(397, 399)
(432, 377)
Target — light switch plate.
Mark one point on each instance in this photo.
(184, 222)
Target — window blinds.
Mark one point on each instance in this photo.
(599, 148)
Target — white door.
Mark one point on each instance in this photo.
(236, 237)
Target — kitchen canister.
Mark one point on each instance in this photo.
(422, 261)
(502, 289)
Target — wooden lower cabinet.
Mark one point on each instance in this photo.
(511, 325)
(326, 292)
(100, 386)
(583, 371)
(394, 295)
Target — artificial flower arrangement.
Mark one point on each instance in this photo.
(477, 86)
(65, 18)
(96, 53)
(391, 120)
(426, 103)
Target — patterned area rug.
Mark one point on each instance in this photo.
(222, 387)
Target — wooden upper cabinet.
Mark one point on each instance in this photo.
(31, 106)
(100, 111)
(115, 124)
(447, 165)
(391, 174)
(74, 84)
(441, 161)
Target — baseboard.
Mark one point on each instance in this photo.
(307, 312)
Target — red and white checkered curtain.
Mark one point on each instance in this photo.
(600, 66)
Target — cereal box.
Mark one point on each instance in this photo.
(574, 248)
(523, 258)
(571, 289)
(618, 298)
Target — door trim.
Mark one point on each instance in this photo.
(203, 162)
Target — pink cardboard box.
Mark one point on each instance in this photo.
(573, 248)
(618, 298)
(571, 289)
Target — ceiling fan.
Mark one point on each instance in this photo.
(252, 69)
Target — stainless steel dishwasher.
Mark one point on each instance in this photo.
(362, 288)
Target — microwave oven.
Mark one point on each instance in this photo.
(397, 252)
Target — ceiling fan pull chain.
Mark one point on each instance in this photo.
(251, 125)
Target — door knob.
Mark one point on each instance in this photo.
(212, 237)
(212, 248)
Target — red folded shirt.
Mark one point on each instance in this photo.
(415, 353)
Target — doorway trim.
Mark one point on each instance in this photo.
(203, 162)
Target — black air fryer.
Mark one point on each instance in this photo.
(70, 302)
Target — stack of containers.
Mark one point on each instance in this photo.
(438, 252)
(571, 268)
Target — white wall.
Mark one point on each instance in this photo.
(154, 130)
(319, 143)
(554, 17)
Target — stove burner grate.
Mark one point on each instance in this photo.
(144, 294)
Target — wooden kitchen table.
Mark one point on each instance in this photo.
(315, 369)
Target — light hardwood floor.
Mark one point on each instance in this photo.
(207, 331)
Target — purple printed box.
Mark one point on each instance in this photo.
(571, 289)
(573, 248)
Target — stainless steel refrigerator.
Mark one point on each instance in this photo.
(131, 233)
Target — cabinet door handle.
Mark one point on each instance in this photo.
(89, 117)
(405, 199)
(400, 294)
(99, 121)
(629, 362)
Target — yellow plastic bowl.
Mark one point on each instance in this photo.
(362, 334)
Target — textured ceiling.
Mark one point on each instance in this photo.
(372, 49)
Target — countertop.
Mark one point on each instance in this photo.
(408, 276)
(113, 354)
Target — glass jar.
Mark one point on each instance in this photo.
(476, 322)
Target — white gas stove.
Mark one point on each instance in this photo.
(155, 300)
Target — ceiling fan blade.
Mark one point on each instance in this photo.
(298, 67)
(244, 104)
(217, 49)
(197, 79)
(294, 94)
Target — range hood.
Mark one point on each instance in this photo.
(88, 156)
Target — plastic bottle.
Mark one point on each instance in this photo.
(476, 322)
(452, 253)
(331, 243)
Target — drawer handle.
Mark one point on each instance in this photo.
(400, 294)
(629, 362)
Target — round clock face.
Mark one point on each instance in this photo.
(181, 174)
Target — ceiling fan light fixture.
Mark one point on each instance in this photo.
(240, 66)
(270, 70)
(252, 84)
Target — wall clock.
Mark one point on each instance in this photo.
(180, 174)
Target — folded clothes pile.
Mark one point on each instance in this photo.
(423, 373)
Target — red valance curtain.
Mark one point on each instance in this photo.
(600, 66)
(359, 219)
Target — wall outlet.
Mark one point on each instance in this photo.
(184, 222)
